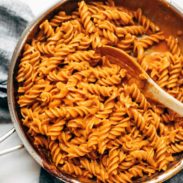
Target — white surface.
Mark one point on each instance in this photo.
(16, 167)
(19, 167)
(38, 6)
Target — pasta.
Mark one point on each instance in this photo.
(90, 115)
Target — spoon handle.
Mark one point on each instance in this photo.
(163, 97)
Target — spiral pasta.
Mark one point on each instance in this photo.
(90, 116)
(134, 30)
(85, 17)
(47, 28)
(147, 24)
(173, 45)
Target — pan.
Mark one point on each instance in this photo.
(168, 16)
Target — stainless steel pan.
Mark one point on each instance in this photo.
(165, 13)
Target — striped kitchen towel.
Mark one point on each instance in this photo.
(14, 17)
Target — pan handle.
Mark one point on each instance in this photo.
(4, 137)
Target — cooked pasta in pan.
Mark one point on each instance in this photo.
(89, 114)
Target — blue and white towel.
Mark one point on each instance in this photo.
(14, 16)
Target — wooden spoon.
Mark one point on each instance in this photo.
(121, 58)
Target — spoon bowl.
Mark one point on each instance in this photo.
(121, 58)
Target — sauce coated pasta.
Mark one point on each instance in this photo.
(87, 113)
